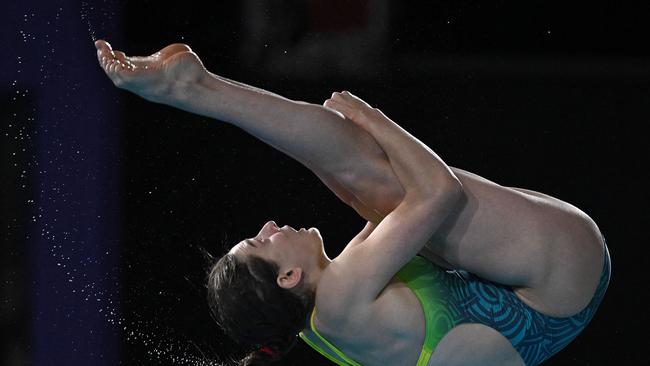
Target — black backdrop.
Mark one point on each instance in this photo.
(540, 96)
(536, 96)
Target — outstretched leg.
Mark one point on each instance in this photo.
(345, 157)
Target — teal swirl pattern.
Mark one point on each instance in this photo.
(450, 298)
(534, 335)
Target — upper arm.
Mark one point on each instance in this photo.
(362, 235)
(365, 269)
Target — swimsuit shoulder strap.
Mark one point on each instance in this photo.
(316, 341)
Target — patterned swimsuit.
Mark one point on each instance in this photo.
(450, 298)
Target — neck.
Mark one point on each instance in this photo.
(316, 273)
(313, 280)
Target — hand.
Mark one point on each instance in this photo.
(157, 77)
(354, 109)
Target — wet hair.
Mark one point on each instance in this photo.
(252, 309)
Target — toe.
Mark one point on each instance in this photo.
(104, 53)
(100, 44)
(120, 56)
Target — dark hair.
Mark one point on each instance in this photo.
(252, 309)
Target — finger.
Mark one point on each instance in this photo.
(346, 97)
(345, 105)
(343, 108)
(354, 99)
(338, 97)
(348, 94)
(328, 104)
(353, 103)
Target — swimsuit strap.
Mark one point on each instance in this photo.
(349, 361)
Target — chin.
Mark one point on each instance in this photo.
(313, 231)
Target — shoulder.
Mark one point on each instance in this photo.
(387, 331)
(339, 306)
(335, 301)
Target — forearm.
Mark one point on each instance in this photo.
(419, 169)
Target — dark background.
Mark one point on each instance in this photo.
(550, 97)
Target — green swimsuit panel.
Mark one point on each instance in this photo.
(422, 277)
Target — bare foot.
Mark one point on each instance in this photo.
(156, 77)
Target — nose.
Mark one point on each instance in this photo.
(268, 229)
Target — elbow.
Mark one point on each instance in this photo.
(452, 190)
(447, 193)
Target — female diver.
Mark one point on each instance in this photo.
(528, 272)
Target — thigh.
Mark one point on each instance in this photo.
(475, 345)
(547, 249)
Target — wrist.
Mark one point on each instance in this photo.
(376, 123)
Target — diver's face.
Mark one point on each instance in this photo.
(285, 246)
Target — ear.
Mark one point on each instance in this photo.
(289, 279)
